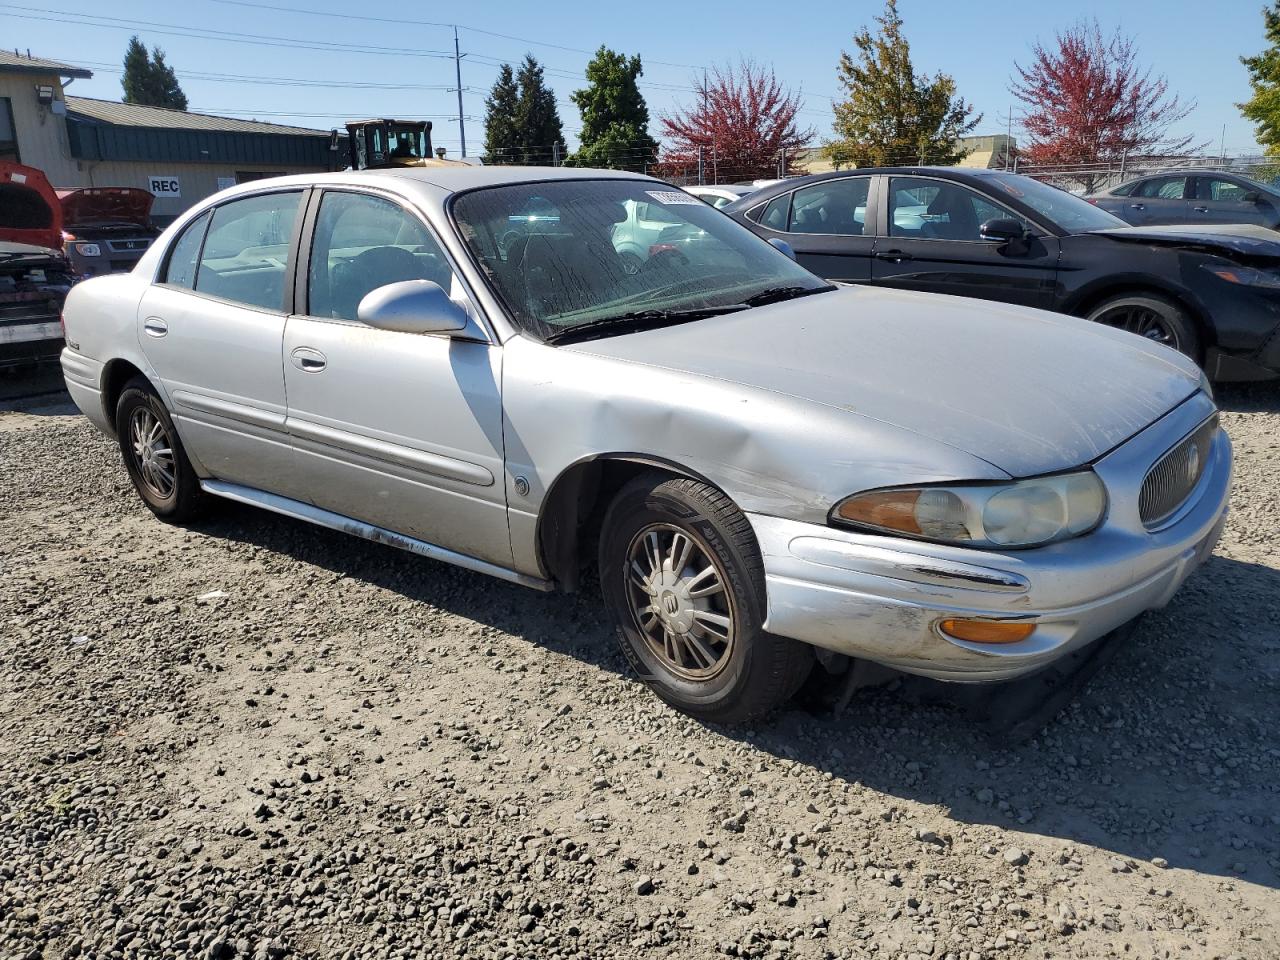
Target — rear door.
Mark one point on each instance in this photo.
(399, 430)
(212, 328)
(826, 225)
(1222, 200)
(1159, 200)
(932, 243)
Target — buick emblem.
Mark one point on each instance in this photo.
(1193, 464)
(670, 603)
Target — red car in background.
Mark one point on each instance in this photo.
(106, 229)
(35, 275)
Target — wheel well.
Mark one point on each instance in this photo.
(569, 523)
(114, 377)
(1083, 306)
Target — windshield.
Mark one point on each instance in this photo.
(567, 253)
(1060, 208)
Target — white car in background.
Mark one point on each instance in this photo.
(721, 194)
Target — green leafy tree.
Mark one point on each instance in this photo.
(539, 134)
(501, 144)
(1263, 108)
(891, 114)
(149, 80)
(615, 118)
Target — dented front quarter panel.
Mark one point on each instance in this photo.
(772, 454)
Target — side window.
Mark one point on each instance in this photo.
(834, 206)
(775, 213)
(184, 255)
(1162, 188)
(1211, 188)
(246, 251)
(362, 243)
(939, 210)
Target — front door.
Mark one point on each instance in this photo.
(1219, 200)
(212, 328)
(400, 430)
(933, 244)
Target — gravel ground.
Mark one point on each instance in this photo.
(255, 740)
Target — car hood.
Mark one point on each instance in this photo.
(97, 205)
(1028, 391)
(1235, 237)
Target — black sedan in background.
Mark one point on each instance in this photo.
(1196, 197)
(1212, 292)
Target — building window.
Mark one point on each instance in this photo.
(247, 176)
(8, 135)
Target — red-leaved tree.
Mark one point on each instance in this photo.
(744, 121)
(1088, 99)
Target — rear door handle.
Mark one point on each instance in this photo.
(1200, 209)
(155, 327)
(308, 359)
(894, 256)
(1138, 206)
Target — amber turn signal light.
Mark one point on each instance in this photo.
(987, 631)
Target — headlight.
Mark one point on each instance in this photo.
(1024, 513)
(88, 250)
(1244, 276)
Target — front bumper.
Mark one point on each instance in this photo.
(880, 598)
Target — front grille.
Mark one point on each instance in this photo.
(1169, 483)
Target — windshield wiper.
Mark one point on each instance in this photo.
(639, 320)
(777, 294)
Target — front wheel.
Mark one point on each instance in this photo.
(1154, 317)
(683, 578)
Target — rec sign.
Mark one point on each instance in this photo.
(164, 186)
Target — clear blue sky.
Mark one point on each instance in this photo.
(1196, 45)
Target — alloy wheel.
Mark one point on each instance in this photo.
(1143, 321)
(677, 592)
(153, 452)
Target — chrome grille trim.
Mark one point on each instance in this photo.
(1175, 475)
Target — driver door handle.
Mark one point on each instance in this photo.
(308, 359)
(1200, 209)
(893, 256)
(1138, 206)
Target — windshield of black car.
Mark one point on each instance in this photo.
(569, 252)
(1061, 209)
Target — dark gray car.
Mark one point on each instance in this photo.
(1191, 196)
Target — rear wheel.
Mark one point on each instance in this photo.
(683, 578)
(1152, 316)
(154, 457)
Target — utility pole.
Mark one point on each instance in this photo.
(457, 69)
(555, 154)
(701, 177)
(782, 163)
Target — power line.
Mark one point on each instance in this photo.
(200, 33)
(401, 21)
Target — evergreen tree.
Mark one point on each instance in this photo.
(539, 134)
(500, 141)
(1263, 108)
(615, 118)
(892, 115)
(168, 91)
(148, 80)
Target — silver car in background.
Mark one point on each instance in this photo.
(460, 362)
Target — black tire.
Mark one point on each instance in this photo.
(756, 671)
(1153, 316)
(183, 500)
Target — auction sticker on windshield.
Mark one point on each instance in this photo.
(673, 196)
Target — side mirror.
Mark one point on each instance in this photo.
(1253, 196)
(782, 246)
(411, 306)
(1002, 231)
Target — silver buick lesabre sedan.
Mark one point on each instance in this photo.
(460, 363)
